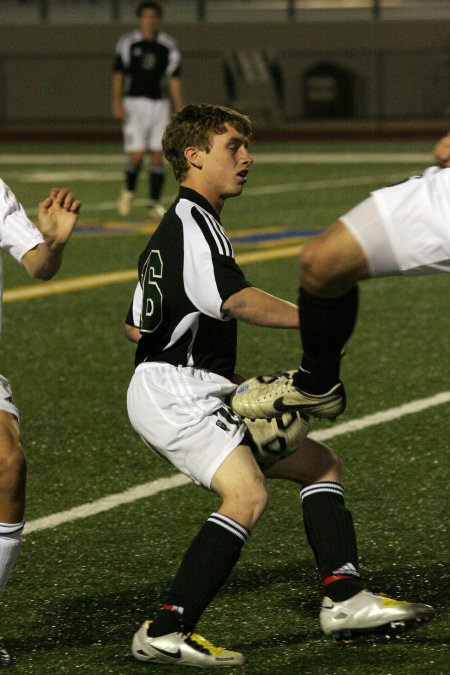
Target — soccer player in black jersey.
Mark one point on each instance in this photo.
(184, 317)
(146, 78)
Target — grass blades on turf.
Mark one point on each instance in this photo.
(80, 589)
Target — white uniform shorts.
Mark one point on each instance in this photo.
(181, 414)
(405, 228)
(144, 123)
(6, 400)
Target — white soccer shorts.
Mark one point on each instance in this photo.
(405, 228)
(144, 124)
(181, 414)
(6, 400)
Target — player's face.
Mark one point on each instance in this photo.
(226, 165)
(149, 22)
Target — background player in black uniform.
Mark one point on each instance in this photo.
(189, 296)
(146, 76)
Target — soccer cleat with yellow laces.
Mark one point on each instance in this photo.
(366, 612)
(181, 649)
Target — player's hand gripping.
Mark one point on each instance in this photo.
(57, 216)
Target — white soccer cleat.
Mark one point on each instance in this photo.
(156, 211)
(125, 203)
(182, 649)
(267, 396)
(366, 612)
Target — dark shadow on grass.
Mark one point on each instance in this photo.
(111, 619)
(427, 584)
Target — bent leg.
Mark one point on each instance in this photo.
(328, 523)
(156, 177)
(132, 169)
(240, 483)
(12, 494)
(310, 463)
(12, 470)
(215, 550)
(331, 264)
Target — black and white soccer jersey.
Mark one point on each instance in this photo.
(186, 272)
(146, 64)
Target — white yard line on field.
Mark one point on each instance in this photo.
(75, 170)
(162, 484)
(41, 160)
(68, 285)
(329, 183)
(106, 278)
(276, 188)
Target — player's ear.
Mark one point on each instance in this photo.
(194, 157)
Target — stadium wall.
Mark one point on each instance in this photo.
(58, 78)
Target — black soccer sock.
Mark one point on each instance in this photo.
(325, 326)
(156, 182)
(131, 176)
(206, 564)
(331, 535)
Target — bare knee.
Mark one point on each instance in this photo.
(332, 263)
(317, 267)
(246, 503)
(241, 485)
(135, 158)
(12, 460)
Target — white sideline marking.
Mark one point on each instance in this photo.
(383, 416)
(329, 183)
(69, 285)
(343, 157)
(106, 503)
(277, 188)
(162, 484)
(106, 278)
(262, 157)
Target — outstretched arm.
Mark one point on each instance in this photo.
(262, 309)
(57, 217)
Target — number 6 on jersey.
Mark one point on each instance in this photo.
(152, 296)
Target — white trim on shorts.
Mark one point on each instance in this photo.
(180, 413)
(405, 228)
(6, 400)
